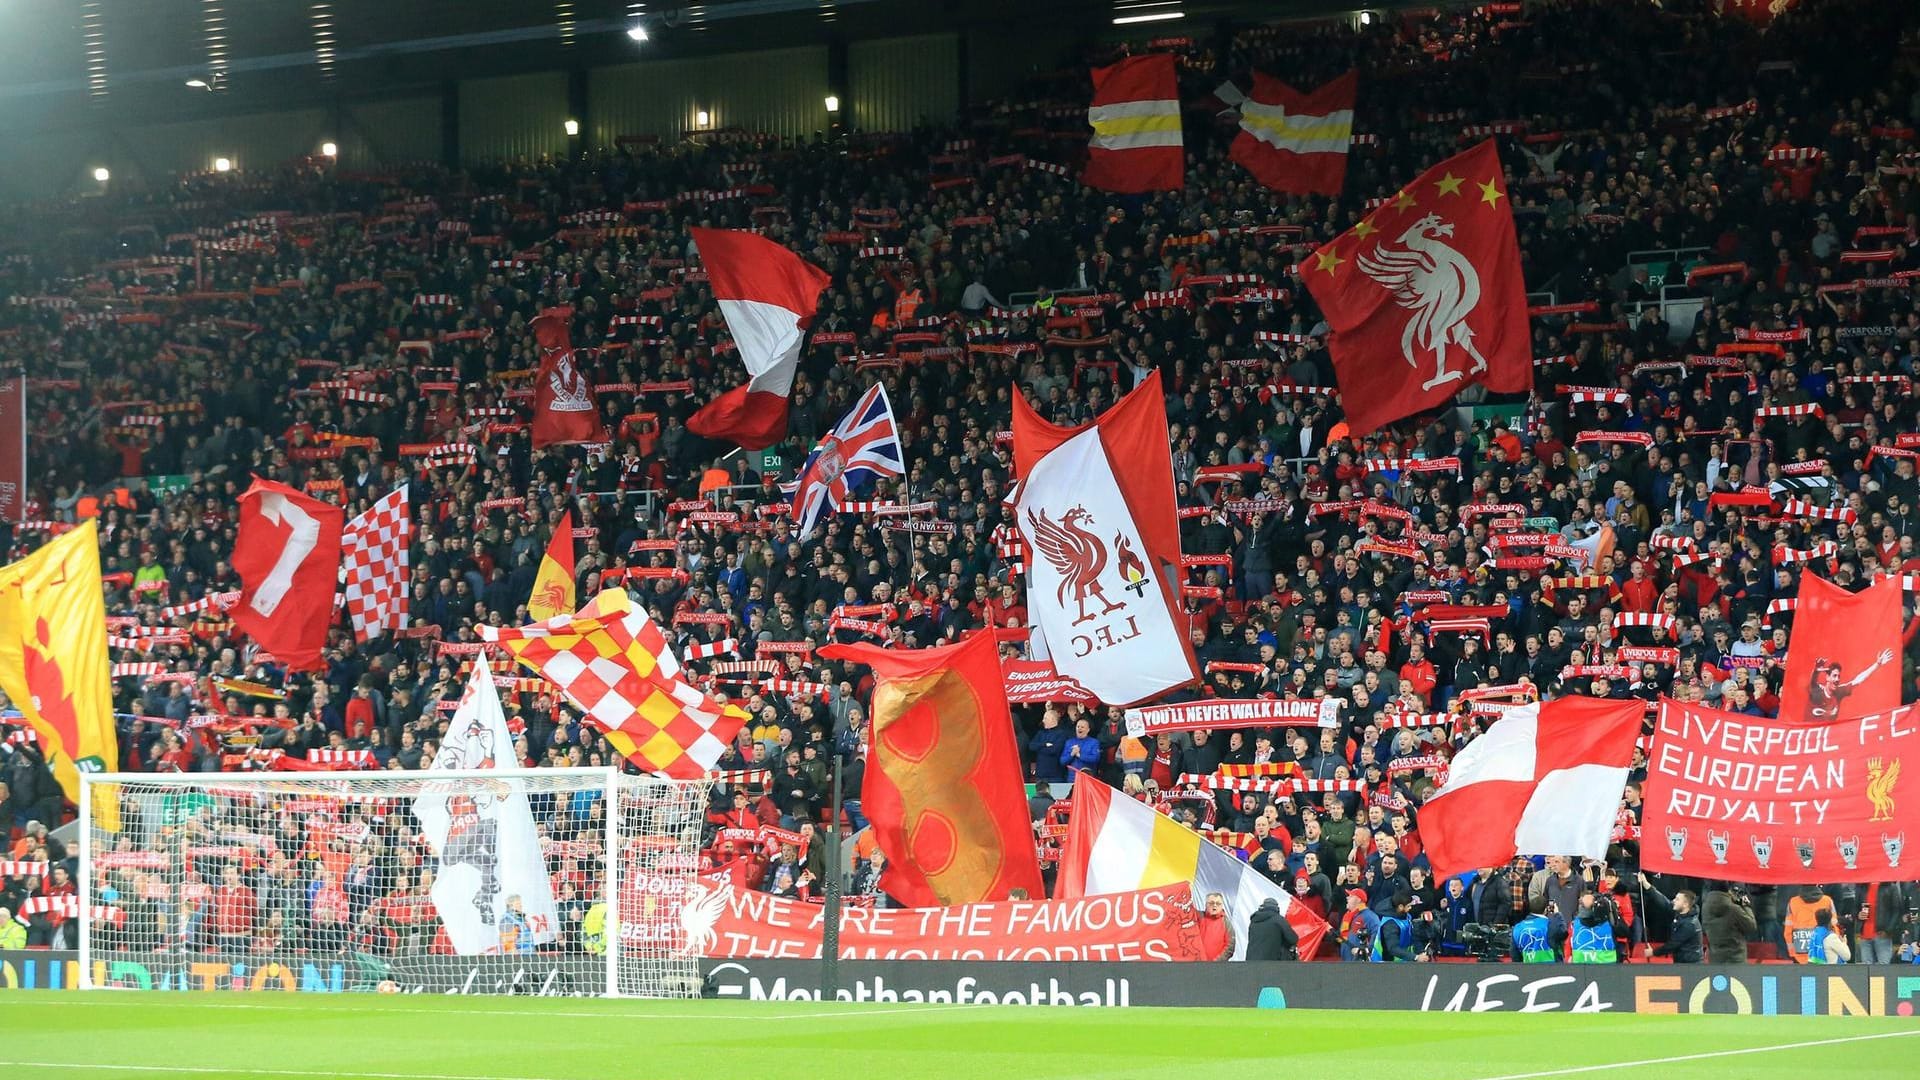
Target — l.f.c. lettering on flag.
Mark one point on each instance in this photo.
(1135, 116)
(1425, 295)
(1096, 508)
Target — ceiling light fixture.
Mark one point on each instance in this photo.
(199, 84)
(328, 149)
(637, 32)
(701, 118)
(1157, 16)
(221, 164)
(833, 103)
(573, 127)
(101, 174)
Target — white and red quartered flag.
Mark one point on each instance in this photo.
(374, 551)
(768, 296)
(1135, 116)
(1545, 779)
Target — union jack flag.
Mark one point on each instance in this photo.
(861, 448)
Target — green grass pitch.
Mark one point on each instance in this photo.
(205, 1036)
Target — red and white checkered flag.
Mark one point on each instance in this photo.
(373, 554)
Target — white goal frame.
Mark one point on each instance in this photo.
(617, 792)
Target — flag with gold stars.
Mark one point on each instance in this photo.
(1425, 296)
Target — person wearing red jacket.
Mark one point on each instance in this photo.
(234, 911)
(1417, 673)
(1639, 593)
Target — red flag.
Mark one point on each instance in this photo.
(553, 584)
(13, 447)
(944, 787)
(768, 296)
(564, 409)
(1297, 142)
(1135, 116)
(1545, 779)
(1425, 295)
(1843, 658)
(288, 557)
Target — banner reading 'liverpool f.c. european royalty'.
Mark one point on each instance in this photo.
(720, 921)
(1744, 798)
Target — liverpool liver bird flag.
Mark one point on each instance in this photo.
(1096, 509)
(1425, 295)
(553, 584)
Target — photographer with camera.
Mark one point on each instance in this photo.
(1592, 930)
(1730, 924)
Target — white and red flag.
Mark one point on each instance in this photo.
(1135, 116)
(1297, 142)
(374, 551)
(485, 847)
(1096, 507)
(1425, 295)
(1545, 779)
(564, 409)
(768, 296)
(287, 554)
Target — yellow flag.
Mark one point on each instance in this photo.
(53, 658)
(553, 589)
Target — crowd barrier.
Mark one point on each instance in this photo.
(1770, 990)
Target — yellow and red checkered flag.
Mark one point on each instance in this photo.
(612, 662)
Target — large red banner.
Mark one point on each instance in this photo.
(1843, 658)
(13, 447)
(1032, 682)
(722, 922)
(1743, 798)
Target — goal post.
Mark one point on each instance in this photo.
(513, 881)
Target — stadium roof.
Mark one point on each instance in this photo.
(133, 59)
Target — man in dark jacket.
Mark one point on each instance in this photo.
(1046, 745)
(1887, 925)
(1683, 940)
(1269, 935)
(1729, 924)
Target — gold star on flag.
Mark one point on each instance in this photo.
(1449, 184)
(1325, 259)
(1402, 200)
(1364, 229)
(1490, 192)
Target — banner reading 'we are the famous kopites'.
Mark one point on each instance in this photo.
(720, 921)
(1733, 797)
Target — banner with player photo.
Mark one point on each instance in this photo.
(1733, 797)
(1843, 655)
(490, 883)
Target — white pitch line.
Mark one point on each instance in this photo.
(201, 1070)
(613, 1012)
(1702, 1057)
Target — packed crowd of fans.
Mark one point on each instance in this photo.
(225, 325)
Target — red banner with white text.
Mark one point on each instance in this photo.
(723, 922)
(1743, 798)
(1030, 682)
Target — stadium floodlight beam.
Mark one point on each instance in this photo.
(329, 149)
(1155, 16)
(573, 127)
(101, 174)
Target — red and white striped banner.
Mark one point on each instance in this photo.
(1786, 556)
(1769, 412)
(1656, 620)
(1803, 508)
(704, 650)
(1583, 394)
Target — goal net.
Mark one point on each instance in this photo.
(509, 881)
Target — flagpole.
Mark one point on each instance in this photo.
(830, 934)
